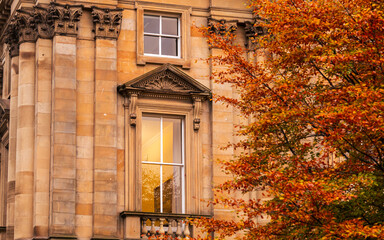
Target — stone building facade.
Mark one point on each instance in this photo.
(106, 118)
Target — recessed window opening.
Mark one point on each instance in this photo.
(162, 36)
(163, 164)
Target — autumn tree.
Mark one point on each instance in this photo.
(316, 140)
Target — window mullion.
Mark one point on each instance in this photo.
(182, 168)
(161, 32)
(178, 38)
(161, 166)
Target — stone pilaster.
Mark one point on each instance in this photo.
(107, 22)
(63, 166)
(85, 137)
(222, 130)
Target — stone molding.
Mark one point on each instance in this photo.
(107, 22)
(222, 27)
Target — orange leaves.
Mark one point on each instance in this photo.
(315, 145)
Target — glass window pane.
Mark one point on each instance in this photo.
(169, 26)
(172, 189)
(150, 188)
(169, 46)
(172, 146)
(150, 139)
(151, 24)
(151, 44)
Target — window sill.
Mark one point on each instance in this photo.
(165, 215)
(184, 63)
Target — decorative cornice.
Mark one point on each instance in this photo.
(107, 22)
(26, 25)
(222, 27)
(65, 18)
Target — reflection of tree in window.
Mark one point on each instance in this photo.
(162, 164)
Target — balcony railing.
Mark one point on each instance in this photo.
(164, 225)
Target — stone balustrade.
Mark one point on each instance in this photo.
(165, 225)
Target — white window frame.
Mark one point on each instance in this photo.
(184, 15)
(161, 35)
(162, 163)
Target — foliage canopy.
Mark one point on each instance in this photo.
(315, 144)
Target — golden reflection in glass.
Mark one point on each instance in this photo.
(162, 164)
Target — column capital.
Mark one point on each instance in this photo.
(44, 21)
(26, 24)
(65, 18)
(107, 22)
(222, 27)
(12, 38)
(252, 30)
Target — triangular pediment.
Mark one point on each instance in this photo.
(166, 79)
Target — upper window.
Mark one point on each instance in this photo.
(161, 36)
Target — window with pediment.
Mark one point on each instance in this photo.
(162, 124)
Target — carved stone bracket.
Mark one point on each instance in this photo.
(222, 27)
(107, 22)
(65, 17)
(132, 109)
(26, 25)
(196, 112)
